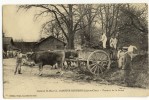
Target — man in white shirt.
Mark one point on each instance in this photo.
(131, 50)
(120, 56)
(18, 62)
(113, 42)
(104, 40)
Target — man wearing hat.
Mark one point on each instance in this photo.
(18, 62)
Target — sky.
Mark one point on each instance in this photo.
(21, 24)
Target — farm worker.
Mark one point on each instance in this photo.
(14, 53)
(4, 54)
(124, 63)
(131, 49)
(7, 54)
(113, 42)
(127, 69)
(120, 57)
(104, 40)
(18, 62)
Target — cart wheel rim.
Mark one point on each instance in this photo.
(98, 62)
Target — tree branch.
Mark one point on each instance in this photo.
(61, 14)
(64, 9)
(60, 25)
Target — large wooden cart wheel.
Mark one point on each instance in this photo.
(98, 62)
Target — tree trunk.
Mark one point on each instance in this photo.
(70, 41)
(70, 29)
(108, 41)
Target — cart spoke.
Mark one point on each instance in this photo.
(94, 57)
(100, 69)
(99, 56)
(103, 66)
(93, 67)
(104, 57)
(92, 64)
(97, 70)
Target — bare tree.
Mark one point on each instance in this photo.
(65, 14)
(88, 23)
(109, 19)
(136, 17)
(51, 28)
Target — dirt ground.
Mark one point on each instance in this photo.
(30, 85)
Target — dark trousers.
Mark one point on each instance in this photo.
(18, 68)
(127, 77)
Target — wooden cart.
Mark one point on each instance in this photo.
(96, 61)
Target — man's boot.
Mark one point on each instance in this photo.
(15, 72)
(19, 72)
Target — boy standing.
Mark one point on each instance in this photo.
(18, 62)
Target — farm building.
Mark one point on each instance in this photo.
(49, 43)
(8, 44)
(25, 46)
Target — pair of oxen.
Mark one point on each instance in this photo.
(51, 58)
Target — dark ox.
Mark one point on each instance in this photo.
(47, 58)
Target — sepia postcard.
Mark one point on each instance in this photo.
(75, 50)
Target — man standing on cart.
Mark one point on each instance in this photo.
(113, 42)
(103, 40)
